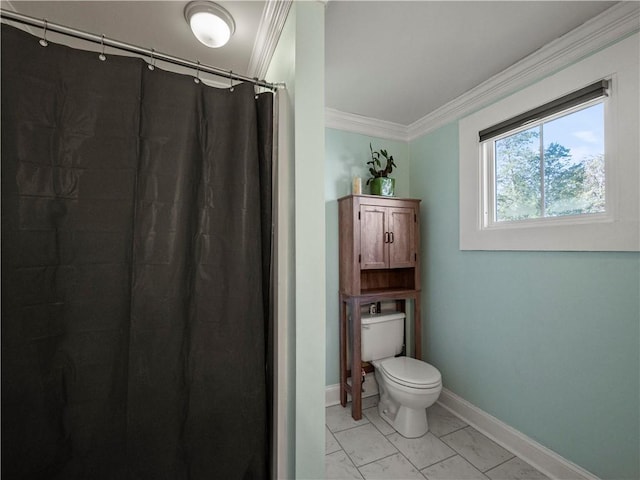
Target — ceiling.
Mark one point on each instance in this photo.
(388, 60)
(399, 61)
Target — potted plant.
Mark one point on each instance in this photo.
(381, 183)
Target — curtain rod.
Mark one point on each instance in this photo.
(127, 47)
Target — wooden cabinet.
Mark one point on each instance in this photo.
(379, 261)
(379, 244)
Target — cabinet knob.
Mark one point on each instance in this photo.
(386, 237)
(390, 237)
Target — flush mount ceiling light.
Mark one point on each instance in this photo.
(209, 22)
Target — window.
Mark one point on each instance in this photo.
(555, 166)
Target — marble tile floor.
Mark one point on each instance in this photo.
(451, 450)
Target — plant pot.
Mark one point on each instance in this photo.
(383, 186)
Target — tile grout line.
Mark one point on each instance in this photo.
(458, 452)
(490, 468)
(513, 455)
(349, 456)
(340, 450)
(377, 460)
(502, 463)
(452, 431)
(348, 428)
(335, 439)
(391, 455)
(386, 436)
(455, 454)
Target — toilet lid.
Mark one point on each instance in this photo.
(411, 372)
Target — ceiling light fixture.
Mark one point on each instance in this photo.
(209, 22)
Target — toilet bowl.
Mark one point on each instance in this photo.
(407, 388)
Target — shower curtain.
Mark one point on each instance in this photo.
(136, 243)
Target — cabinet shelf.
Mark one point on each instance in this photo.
(386, 294)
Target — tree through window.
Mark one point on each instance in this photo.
(555, 168)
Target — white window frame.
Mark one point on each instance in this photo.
(618, 229)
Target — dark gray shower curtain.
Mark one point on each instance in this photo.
(136, 242)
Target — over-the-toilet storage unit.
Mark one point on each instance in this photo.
(379, 261)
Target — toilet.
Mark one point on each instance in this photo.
(407, 386)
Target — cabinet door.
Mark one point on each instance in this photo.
(402, 242)
(373, 235)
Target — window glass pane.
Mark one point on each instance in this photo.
(517, 176)
(574, 163)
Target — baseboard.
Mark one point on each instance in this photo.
(538, 456)
(332, 392)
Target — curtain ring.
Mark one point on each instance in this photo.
(102, 56)
(197, 79)
(43, 40)
(231, 80)
(256, 88)
(152, 65)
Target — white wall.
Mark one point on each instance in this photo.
(299, 61)
(282, 69)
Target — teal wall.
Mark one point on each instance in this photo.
(547, 342)
(346, 155)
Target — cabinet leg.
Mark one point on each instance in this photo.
(356, 363)
(417, 334)
(343, 352)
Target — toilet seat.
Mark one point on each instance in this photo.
(410, 372)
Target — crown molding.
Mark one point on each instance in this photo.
(613, 24)
(274, 16)
(372, 127)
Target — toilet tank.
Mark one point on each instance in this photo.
(382, 335)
